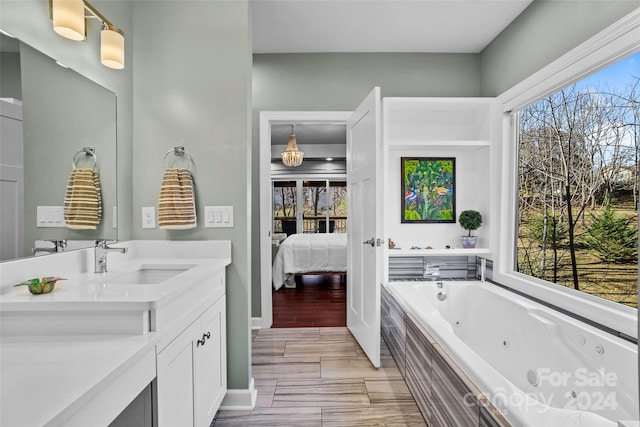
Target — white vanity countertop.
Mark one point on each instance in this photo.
(89, 291)
(46, 380)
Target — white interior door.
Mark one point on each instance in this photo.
(364, 225)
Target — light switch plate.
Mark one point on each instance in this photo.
(218, 216)
(49, 216)
(149, 217)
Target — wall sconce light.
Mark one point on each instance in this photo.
(69, 20)
(291, 156)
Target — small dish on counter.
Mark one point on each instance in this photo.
(42, 285)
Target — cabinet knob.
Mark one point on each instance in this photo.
(208, 335)
(201, 342)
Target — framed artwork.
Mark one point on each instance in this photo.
(428, 189)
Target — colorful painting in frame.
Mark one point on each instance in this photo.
(428, 189)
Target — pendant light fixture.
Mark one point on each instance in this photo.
(291, 156)
(70, 21)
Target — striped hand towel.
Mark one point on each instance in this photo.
(83, 200)
(177, 203)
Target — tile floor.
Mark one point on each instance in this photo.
(321, 377)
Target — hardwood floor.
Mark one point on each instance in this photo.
(317, 301)
(321, 377)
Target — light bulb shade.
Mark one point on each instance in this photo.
(291, 156)
(112, 48)
(68, 18)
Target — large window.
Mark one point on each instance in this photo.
(310, 206)
(578, 160)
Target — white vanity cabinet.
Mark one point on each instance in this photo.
(191, 370)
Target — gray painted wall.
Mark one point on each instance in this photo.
(62, 113)
(338, 81)
(84, 57)
(192, 87)
(546, 30)
(10, 85)
(542, 33)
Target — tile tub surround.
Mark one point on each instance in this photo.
(394, 331)
(444, 394)
(321, 377)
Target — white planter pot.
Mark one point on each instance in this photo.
(468, 241)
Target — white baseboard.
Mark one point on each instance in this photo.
(240, 399)
(256, 323)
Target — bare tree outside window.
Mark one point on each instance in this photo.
(578, 160)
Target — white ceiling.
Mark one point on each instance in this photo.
(456, 26)
(312, 26)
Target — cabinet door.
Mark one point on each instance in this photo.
(176, 381)
(210, 371)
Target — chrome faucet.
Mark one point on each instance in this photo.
(101, 251)
(58, 246)
(431, 271)
(483, 269)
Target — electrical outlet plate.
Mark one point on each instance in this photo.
(149, 217)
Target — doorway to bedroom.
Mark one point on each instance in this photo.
(306, 221)
(309, 251)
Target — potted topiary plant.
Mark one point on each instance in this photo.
(469, 220)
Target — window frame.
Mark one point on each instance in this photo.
(300, 180)
(607, 47)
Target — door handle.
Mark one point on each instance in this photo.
(373, 242)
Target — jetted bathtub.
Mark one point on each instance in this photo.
(536, 365)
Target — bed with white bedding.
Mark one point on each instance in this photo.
(309, 253)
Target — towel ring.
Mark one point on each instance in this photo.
(87, 151)
(178, 153)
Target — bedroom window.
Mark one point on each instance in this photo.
(285, 207)
(578, 162)
(310, 206)
(338, 206)
(314, 208)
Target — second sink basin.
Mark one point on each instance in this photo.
(149, 275)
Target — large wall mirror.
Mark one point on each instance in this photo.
(62, 113)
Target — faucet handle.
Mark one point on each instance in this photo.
(102, 243)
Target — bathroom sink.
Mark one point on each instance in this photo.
(149, 275)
